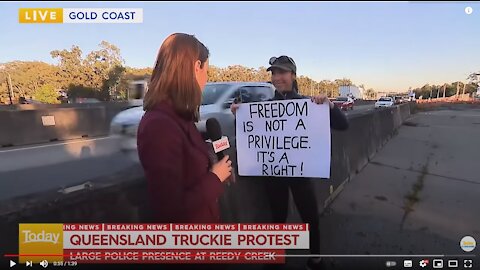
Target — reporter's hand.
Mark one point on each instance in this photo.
(223, 168)
(234, 107)
(322, 99)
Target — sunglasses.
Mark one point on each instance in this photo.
(283, 59)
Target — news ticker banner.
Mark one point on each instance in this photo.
(160, 243)
(80, 15)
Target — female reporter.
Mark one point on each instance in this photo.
(183, 185)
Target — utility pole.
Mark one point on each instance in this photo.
(10, 89)
(458, 89)
(311, 88)
(9, 83)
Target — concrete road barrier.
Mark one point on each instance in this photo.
(123, 197)
(34, 125)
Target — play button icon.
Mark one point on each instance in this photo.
(12, 263)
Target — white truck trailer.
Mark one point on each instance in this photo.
(351, 91)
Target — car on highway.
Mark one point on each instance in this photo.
(384, 102)
(23, 100)
(398, 100)
(344, 103)
(216, 100)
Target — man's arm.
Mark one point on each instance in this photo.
(338, 120)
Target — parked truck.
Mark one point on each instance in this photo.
(351, 91)
(136, 92)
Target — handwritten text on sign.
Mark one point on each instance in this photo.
(288, 138)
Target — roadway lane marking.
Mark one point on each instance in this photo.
(56, 144)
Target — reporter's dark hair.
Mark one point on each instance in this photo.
(173, 78)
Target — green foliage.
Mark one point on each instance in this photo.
(137, 73)
(113, 85)
(47, 94)
(101, 74)
(434, 91)
(370, 94)
(80, 91)
(306, 85)
(27, 77)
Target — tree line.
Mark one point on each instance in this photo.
(102, 74)
(446, 90)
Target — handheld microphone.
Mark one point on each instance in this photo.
(220, 143)
(214, 133)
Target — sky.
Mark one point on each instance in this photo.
(385, 46)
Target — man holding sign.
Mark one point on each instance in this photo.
(287, 141)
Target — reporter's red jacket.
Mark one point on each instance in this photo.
(175, 159)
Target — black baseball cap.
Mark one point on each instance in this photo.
(283, 62)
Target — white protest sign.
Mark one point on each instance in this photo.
(287, 138)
